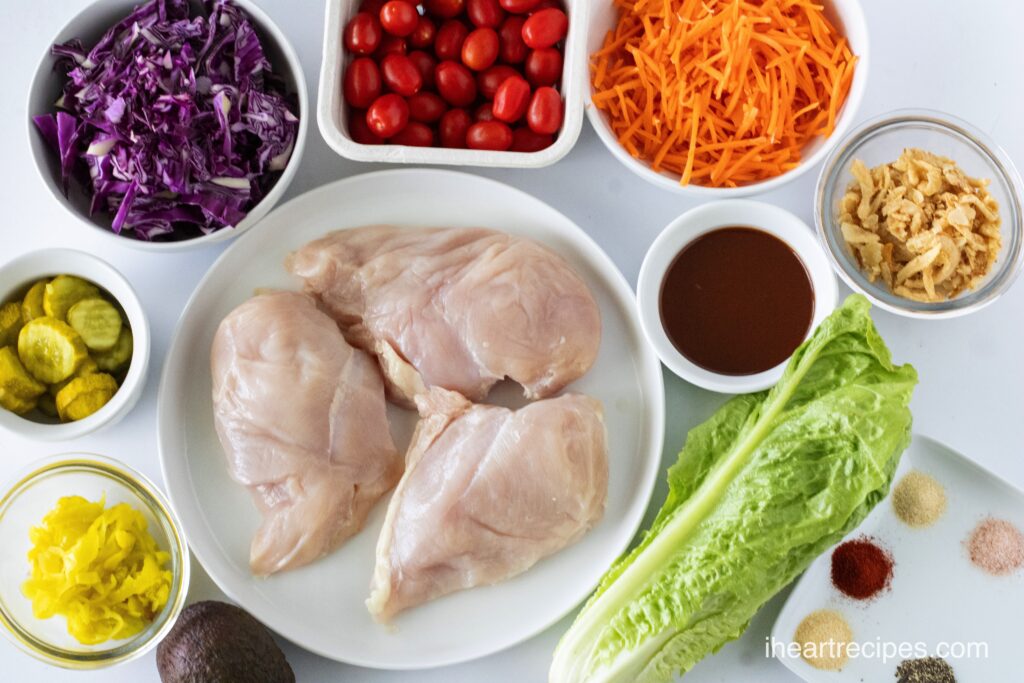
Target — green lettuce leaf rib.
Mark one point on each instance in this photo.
(767, 484)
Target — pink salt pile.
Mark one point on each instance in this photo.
(996, 546)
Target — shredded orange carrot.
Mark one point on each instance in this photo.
(721, 92)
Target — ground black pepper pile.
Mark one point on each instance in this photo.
(925, 670)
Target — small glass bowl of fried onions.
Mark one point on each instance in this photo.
(96, 566)
(922, 213)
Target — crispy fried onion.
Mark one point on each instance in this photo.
(920, 225)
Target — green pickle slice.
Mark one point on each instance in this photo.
(97, 322)
(10, 323)
(18, 389)
(63, 292)
(117, 357)
(62, 348)
(50, 349)
(32, 304)
(18, 406)
(83, 396)
(88, 367)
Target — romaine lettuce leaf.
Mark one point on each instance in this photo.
(767, 484)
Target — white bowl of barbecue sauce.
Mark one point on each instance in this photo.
(728, 292)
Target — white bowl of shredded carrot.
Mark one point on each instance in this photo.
(725, 97)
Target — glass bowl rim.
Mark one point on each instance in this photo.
(1000, 163)
(158, 505)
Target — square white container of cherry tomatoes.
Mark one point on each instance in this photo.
(333, 112)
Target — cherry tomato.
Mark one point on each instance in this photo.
(545, 112)
(424, 34)
(485, 13)
(359, 131)
(426, 107)
(455, 83)
(449, 40)
(525, 140)
(414, 135)
(547, 4)
(544, 28)
(362, 83)
(511, 48)
(488, 80)
(399, 18)
(363, 34)
(490, 135)
(371, 6)
(401, 75)
(391, 45)
(453, 127)
(518, 6)
(485, 112)
(425, 64)
(480, 49)
(512, 99)
(446, 9)
(388, 115)
(543, 66)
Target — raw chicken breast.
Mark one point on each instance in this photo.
(458, 308)
(301, 417)
(487, 493)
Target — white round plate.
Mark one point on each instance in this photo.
(321, 606)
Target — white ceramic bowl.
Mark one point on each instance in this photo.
(15, 279)
(703, 219)
(89, 25)
(846, 15)
(332, 113)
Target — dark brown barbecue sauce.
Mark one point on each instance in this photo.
(737, 301)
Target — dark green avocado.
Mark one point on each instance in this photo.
(214, 642)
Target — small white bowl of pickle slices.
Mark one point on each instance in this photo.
(74, 345)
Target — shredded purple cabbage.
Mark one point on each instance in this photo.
(179, 120)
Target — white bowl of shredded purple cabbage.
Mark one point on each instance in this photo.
(169, 124)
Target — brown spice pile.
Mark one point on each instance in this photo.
(824, 638)
(996, 546)
(918, 499)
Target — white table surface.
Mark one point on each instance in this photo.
(966, 58)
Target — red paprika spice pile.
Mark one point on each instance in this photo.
(861, 569)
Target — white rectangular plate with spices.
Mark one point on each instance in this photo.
(937, 595)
